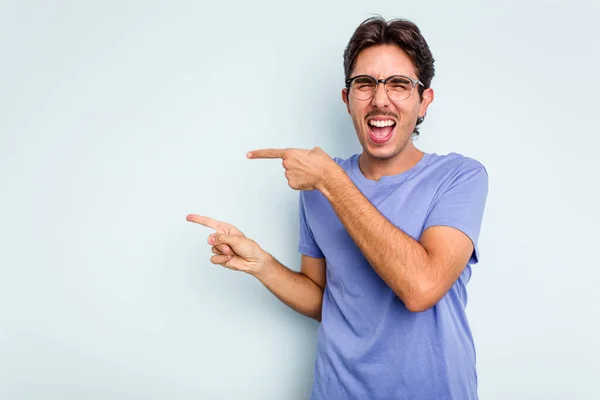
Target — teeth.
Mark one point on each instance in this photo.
(381, 124)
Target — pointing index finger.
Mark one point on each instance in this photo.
(267, 153)
(202, 220)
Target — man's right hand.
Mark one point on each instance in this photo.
(302, 291)
(231, 247)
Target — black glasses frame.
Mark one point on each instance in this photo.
(413, 81)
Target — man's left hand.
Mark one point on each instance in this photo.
(304, 169)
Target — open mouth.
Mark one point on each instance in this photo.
(381, 130)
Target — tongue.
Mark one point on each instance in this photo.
(382, 132)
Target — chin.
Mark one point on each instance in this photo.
(385, 150)
(381, 154)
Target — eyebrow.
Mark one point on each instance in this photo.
(412, 76)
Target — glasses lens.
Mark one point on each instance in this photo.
(363, 87)
(399, 88)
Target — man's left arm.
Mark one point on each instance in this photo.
(419, 272)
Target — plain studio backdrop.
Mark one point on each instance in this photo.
(118, 119)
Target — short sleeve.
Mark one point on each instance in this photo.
(307, 244)
(462, 204)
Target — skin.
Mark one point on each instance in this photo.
(419, 272)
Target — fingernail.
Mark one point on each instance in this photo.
(249, 155)
(229, 257)
(211, 239)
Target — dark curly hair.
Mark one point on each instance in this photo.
(400, 32)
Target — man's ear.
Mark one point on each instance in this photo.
(345, 99)
(428, 96)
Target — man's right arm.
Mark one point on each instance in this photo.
(302, 291)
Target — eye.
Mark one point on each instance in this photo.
(399, 83)
(363, 83)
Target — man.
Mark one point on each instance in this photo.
(387, 237)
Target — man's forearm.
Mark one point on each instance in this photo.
(398, 259)
(294, 289)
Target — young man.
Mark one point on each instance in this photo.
(387, 237)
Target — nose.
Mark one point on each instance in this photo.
(380, 98)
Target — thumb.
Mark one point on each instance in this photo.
(221, 238)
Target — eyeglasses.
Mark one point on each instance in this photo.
(397, 87)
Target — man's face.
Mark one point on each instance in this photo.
(385, 142)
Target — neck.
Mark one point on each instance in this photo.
(374, 168)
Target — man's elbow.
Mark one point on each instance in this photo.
(417, 306)
(421, 300)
